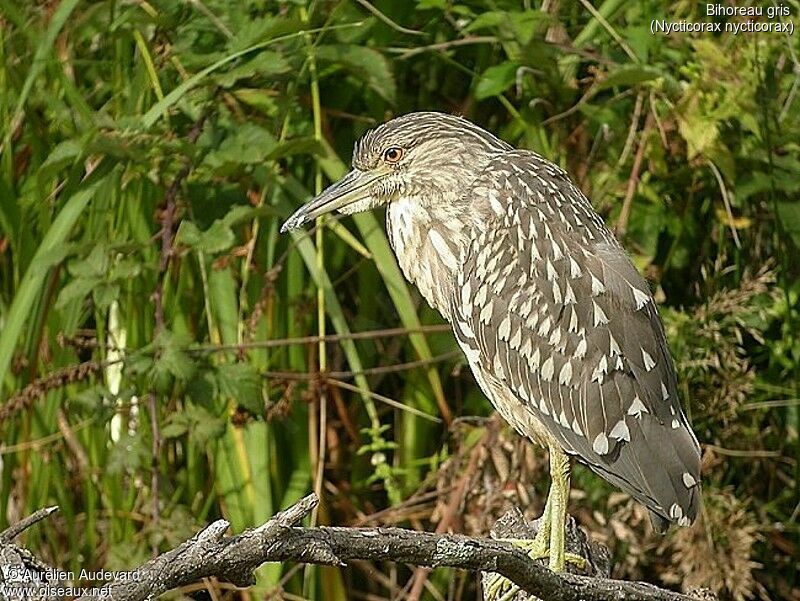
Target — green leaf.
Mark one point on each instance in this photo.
(264, 64)
(366, 64)
(788, 212)
(78, 288)
(247, 144)
(217, 238)
(177, 424)
(488, 20)
(629, 76)
(496, 80)
(128, 455)
(170, 359)
(94, 265)
(241, 382)
(204, 426)
(105, 294)
(198, 422)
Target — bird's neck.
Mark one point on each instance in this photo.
(428, 247)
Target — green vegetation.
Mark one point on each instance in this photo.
(150, 370)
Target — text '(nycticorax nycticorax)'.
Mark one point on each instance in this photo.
(559, 328)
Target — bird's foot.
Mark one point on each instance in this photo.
(502, 589)
(539, 548)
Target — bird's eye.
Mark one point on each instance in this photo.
(393, 154)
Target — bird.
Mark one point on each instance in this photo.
(559, 328)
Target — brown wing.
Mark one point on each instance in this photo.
(549, 304)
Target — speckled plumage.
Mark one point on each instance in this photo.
(559, 328)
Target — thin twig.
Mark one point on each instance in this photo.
(633, 180)
(724, 191)
(367, 371)
(385, 399)
(156, 452)
(409, 52)
(613, 32)
(387, 20)
(13, 531)
(368, 335)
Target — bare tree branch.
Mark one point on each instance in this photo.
(235, 558)
(13, 531)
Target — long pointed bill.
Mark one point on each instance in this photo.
(351, 188)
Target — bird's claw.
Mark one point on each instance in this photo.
(501, 588)
(537, 548)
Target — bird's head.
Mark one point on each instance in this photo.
(424, 156)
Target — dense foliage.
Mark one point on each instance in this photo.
(150, 371)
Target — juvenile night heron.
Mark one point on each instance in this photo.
(560, 330)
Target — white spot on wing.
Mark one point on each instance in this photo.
(639, 297)
(597, 286)
(573, 320)
(497, 206)
(664, 392)
(565, 375)
(648, 360)
(688, 480)
(480, 298)
(442, 248)
(552, 275)
(556, 292)
(535, 359)
(612, 345)
(548, 369)
(637, 408)
(580, 350)
(574, 269)
(599, 315)
(600, 444)
(466, 292)
(486, 312)
(569, 294)
(544, 327)
(600, 370)
(620, 431)
(504, 331)
(543, 407)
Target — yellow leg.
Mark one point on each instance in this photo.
(550, 539)
(559, 491)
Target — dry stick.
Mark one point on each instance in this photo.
(633, 180)
(12, 532)
(235, 558)
(209, 554)
(39, 387)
